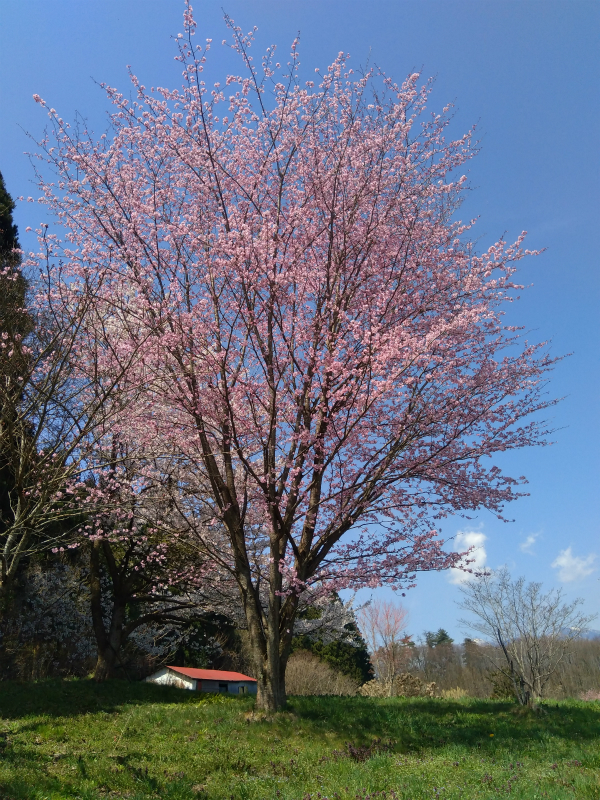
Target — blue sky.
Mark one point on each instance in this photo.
(527, 72)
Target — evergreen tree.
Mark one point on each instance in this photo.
(342, 648)
(15, 325)
(350, 659)
(9, 239)
(438, 638)
(15, 322)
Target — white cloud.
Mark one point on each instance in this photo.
(527, 545)
(573, 568)
(463, 541)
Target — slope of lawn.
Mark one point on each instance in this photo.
(75, 739)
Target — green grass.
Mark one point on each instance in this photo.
(74, 739)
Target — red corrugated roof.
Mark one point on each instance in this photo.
(212, 674)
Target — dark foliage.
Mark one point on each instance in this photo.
(351, 658)
(212, 642)
(437, 639)
(15, 325)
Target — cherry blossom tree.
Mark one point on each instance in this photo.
(321, 348)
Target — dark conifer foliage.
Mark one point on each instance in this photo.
(8, 230)
(437, 638)
(348, 655)
(14, 319)
(15, 325)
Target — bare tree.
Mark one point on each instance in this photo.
(382, 624)
(56, 407)
(534, 630)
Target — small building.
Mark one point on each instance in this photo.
(204, 680)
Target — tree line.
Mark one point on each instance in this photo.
(534, 645)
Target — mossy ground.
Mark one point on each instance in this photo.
(75, 739)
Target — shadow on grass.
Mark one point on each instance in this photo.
(412, 723)
(70, 698)
(423, 723)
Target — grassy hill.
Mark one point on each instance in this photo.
(75, 739)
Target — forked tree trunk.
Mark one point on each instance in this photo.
(270, 644)
(269, 657)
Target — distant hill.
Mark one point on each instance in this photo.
(589, 634)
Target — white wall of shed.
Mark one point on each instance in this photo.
(166, 677)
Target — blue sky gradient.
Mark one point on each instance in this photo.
(527, 72)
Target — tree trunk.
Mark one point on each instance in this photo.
(108, 641)
(109, 644)
(269, 667)
(104, 664)
(270, 650)
(271, 696)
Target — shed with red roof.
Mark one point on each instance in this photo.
(204, 680)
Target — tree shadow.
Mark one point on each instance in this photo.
(70, 698)
(417, 724)
(414, 724)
